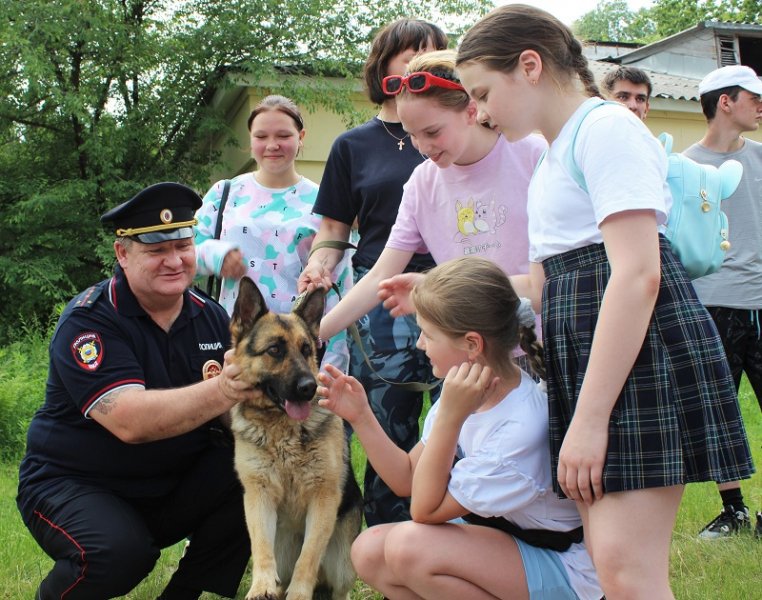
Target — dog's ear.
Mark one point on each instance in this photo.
(249, 307)
(310, 309)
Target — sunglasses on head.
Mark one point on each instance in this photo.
(417, 82)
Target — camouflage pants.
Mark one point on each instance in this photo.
(390, 346)
(741, 333)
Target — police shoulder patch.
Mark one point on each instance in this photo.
(87, 298)
(87, 350)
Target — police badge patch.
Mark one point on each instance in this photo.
(88, 350)
(211, 368)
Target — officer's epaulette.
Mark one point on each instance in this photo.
(87, 298)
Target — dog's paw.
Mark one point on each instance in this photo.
(299, 592)
(265, 596)
(265, 592)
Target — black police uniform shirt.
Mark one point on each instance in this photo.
(105, 341)
(363, 178)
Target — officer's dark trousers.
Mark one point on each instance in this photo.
(104, 545)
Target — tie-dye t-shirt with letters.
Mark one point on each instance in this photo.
(273, 229)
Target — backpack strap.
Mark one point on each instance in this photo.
(223, 202)
(666, 141)
(213, 283)
(569, 160)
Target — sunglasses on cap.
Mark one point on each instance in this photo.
(417, 82)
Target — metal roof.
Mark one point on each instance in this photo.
(676, 38)
(664, 86)
(677, 87)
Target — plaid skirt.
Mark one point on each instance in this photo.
(677, 419)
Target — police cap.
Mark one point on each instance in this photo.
(160, 212)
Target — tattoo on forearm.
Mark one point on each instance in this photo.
(108, 402)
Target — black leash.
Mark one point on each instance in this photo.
(412, 386)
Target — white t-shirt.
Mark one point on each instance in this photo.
(477, 209)
(504, 471)
(624, 167)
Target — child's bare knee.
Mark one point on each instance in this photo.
(367, 552)
(401, 550)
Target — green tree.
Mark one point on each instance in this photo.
(613, 21)
(673, 16)
(100, 97)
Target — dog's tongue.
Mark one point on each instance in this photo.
(297, 410)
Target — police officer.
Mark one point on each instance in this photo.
(127, 454)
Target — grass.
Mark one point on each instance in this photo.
(722, 570)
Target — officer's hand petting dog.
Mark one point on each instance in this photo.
(137, 415)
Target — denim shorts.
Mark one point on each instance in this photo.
(546, 575)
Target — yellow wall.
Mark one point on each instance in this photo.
(685, 128)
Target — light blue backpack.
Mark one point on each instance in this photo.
(696, 227)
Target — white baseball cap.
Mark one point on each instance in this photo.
(733, 75)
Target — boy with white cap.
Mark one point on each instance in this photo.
(731, 99)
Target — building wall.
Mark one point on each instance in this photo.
(685, 127)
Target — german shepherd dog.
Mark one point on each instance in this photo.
(303, 506)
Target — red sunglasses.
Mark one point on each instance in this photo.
(417, 82)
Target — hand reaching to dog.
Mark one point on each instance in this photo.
(395, 293)
(343, 395)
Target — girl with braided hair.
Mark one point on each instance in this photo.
(483, 457)
(640, 395)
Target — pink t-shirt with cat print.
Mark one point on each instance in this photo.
(478, 209)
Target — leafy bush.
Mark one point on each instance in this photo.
(23, 371)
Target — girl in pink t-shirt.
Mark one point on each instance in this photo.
(468, 199)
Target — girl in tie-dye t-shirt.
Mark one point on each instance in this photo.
(267, 223)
